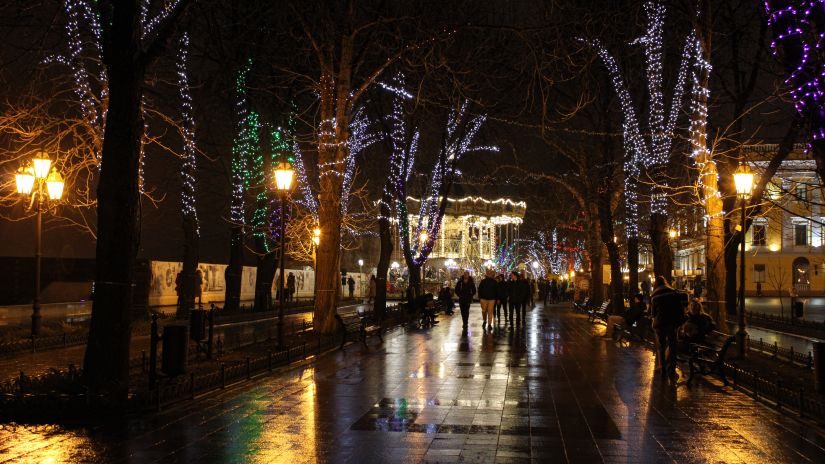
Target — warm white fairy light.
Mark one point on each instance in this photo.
(240, 147)
(641, 154)
(460, 134)
(188, 160)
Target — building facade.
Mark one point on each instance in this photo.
(784, 243)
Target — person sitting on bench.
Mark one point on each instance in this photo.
(698, 325)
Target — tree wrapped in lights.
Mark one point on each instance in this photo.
(189, 212)
(128, 48)
(245, 144)
(797, 27)
(648, 156)
(417, 240)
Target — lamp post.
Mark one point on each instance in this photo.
(283, 182)
(361, 276)
(36, 180)
(743, 178)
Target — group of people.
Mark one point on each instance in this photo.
(678, 321)
(498, 297)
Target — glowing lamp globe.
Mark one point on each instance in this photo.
(423, 237)
(535, 264)
(743, 178)
(24, 180)
(360, 262)
(54, 185)
(316, 236)
(41, 163)
(395, 265)
(283, 176)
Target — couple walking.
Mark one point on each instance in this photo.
(494, 295)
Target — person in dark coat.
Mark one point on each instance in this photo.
(445, 296)
(465, 289)
(487, 297)
(519, 296)
(501, 303)
(351, 286)
(668, 314)
(554, 291)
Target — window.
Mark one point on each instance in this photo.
(800, 234)
(801, 191)
(760, 235)
(759, 273)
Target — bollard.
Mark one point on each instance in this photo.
(775, 349)
(223, 376)
(819, 366)
(791, 356)
(192, 386)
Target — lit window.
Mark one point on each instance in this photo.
(760, 235)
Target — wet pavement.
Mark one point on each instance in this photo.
(554, 392)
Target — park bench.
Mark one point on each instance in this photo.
(600, 313)
(639, 329)
(709, 356)
(360, 324)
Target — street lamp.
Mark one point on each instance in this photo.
(283, 182)
(743, 178)
(38, 180)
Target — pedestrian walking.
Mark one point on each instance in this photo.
(465, 289)
(371, 292)
(351, 286)
(487, 295)
(290, 287)
(554, 291)
(527, 289)
(518, 296)
(668, 314)
(501, 298)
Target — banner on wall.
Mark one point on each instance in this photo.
(162, 287)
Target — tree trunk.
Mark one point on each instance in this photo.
(633, 263)
(596, 276)
(234, 271)
(106, 362)
(264, 276)
(190, 266)
(731, 255)
(659, 242)
(715, 261)
(385, 234)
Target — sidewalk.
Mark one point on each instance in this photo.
(555, 392)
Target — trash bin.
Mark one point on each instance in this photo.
(197, 324)
(797, 309)
(175, 349)
(819, 366)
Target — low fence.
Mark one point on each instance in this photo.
(771, 389)
(782, 353)
(59, 394)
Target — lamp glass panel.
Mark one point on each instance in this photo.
(54, 184)
(283, 176)
(744, 182)
(42, 164)
(25, 181)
